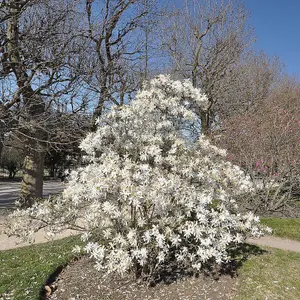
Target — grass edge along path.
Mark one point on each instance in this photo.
(23, 271)
(273, 275)
(284, 228)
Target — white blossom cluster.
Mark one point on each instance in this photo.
(148, 195)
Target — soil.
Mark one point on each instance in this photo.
(80, 280)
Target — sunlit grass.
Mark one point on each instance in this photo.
(23, 271)
(273, 275)
(286, 228)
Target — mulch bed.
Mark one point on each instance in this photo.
(80, 280)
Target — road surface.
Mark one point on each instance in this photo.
(9, 191)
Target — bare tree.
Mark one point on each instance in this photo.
(39, 58)
(251, 82)
(265, 142)
(114, 28)
(205, 40)
(55, 57)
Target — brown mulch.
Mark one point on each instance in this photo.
(80, 280)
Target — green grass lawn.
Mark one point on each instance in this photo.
(286, 228)
(23, 271)
(273, 275)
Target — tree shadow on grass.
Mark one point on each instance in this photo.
(238, 256)
(50, 280)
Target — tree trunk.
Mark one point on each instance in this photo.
(1, 144)
(99, 109)
(33, 136)
(12, 174)
(204, 122)
(52, 170)
(32, 184)
(3, 119)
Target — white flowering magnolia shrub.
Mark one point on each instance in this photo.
(153, 191)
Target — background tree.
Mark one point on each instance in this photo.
(205, 41)
(252, 80)
(114, 49)
(39, 55)
(265, 142)
(12, 160)
(54, 67)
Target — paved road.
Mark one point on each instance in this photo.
(9, 191)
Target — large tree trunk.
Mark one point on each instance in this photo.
(35, 146)
(32, 184)
(32, 135)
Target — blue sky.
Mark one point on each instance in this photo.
(277, 28)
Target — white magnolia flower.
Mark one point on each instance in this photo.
(77, 249)
(152, 187)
